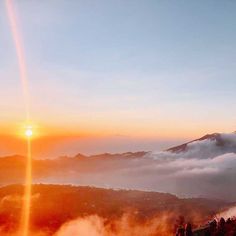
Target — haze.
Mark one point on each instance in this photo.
(119, 76)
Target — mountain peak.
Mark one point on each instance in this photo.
(218, 138)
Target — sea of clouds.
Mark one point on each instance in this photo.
(204, 169)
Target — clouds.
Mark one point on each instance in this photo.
(212, 177)
(231, 212)
(205, 168)
(98, 226)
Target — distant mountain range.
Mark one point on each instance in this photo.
(110, 155)
(165, 171)
(15, 164)
(226, 142)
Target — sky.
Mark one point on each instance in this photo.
(119, 75)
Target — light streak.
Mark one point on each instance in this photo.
(25, 219)
(20, 56)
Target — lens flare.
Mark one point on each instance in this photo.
(25, 219)
(20, 55)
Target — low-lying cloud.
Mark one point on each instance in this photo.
(98, 226)
(206, 168)
(95, 225)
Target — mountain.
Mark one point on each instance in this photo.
(203, 167)
(12, 168)
(224, 143)
(183, 147)
(105, 156)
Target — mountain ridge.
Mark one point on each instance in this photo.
(217, 137)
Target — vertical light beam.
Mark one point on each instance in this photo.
(25, 219)
(20, 55)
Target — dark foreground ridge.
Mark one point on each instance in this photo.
(54, 205)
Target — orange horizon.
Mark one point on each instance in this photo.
(71, 143)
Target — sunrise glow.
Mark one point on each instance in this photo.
(117, 118)
(25, 219)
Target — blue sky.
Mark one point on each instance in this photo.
(144, 68)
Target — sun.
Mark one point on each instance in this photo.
(28, 132)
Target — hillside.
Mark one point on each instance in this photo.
(53, 205)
